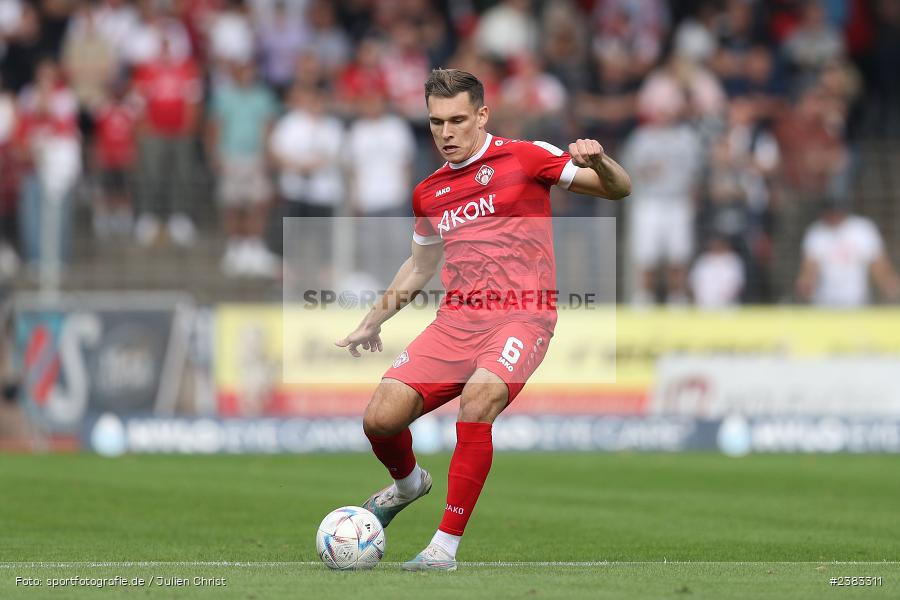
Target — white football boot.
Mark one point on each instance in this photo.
(388, 502)
(432, 558)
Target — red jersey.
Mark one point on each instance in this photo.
(169, 89)
(115, 136)
(492, 213)
(32, 127)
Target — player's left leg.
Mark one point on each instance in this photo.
(508, 355)
(483, 398)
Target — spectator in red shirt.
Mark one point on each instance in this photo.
(362, 77)
(405, 66)
(115, 155)
(171, 92)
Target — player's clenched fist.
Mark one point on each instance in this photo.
(586, 153)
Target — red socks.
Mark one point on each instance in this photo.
(469, 469)
(395, 452)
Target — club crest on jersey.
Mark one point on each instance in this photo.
(484, 174)
(401, 359)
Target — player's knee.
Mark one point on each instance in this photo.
(482, 405)
(386, 414)
(377, 424)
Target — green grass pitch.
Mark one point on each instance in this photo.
(651, 525)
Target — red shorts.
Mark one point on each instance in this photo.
(440, 361)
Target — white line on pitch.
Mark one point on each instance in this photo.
(102, 564)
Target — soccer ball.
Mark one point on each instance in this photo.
(350, 538)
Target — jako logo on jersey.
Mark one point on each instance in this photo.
(465, 212)
(455, 509)
(484, 174)
(441, 191)
(401, 360)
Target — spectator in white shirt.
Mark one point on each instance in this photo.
(664, 157)
(839, 252)
(381, 149)
(507, 29)
(230, 35)
(157, 29)
(306, 144)
(306, 147)
(717, 277)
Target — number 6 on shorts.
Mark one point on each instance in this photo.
(512, 350)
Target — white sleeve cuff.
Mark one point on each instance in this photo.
(567, 176)
(424, 240)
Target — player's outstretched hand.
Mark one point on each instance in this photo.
(366, 336)
(586, 153)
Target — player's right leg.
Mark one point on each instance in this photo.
(393, 407)
(431, 371)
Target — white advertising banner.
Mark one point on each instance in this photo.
(711, 387)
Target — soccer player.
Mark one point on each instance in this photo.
(487, 210)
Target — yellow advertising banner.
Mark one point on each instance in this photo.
(603, 351)
(581, 351)
(644, 336)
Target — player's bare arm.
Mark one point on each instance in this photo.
(411, 278)
(598, 174)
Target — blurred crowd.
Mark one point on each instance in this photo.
(737, 120)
